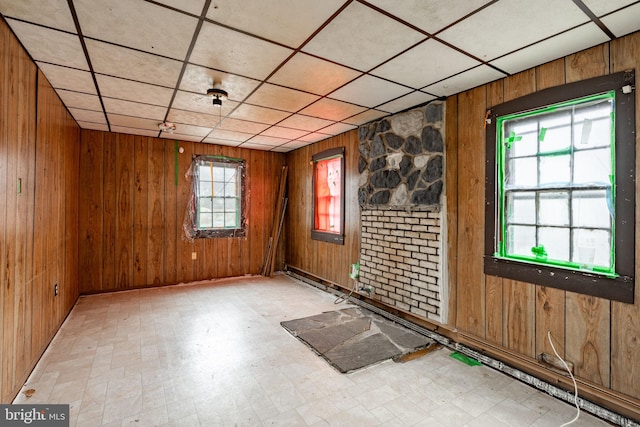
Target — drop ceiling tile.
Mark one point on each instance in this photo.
(189, 6)
(134, 131)
(229, 135)
(254, 146)
(332, 109)
(258, 114)
(348, 38)
(602, 7)
(508, 25)
(407, 101)
(619, 22)
(68, 78)
(138, 26)
(199, 79)
(50, 46)
(312, 74)
(463, 81)
(200, 131)
(292, 145)
(135, 109)
(192, 118)
(312, 137)
(370, 91)
(242, 126)
(133, 65)
(52, 13)
(267, 140)
(202, 104)
(281, 98)
(282, 149)
(180, 137)
(117, 120)
(366, 117)
(337, 128)
(300, 121)
(425, 64)
(114, 87)
(80, 100)
(556, 47)
(94, 126)
(88, 116)
(429, 15)
(222, 142)
(233, 52)
(286, 133)
(289, 22)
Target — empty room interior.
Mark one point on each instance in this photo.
(338, 212)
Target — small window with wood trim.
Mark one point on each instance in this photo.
(328, 196)
(561, 188)
(216, 206)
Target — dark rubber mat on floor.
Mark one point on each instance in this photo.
(353, 338)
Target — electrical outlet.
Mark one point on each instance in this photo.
(55, 290)
(194, 256)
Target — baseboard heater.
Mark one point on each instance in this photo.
(532, 381)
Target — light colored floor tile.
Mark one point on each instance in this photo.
(214, 354)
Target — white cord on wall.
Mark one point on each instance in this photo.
(575, 385)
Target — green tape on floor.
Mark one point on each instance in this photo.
(465, 359)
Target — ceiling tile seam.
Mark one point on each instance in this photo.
(457, 74)
(620, 9)
(468, 15)
(76, 22)
(395, 18)
(35, 24)
(585, 9)
(287, 59)
(185, 62)
(175, 9)
(470, 55)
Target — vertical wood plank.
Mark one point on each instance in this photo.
(184, 249)
(124, 212)
(140, 214)
(155, 212)
(170, 211)
(110, 212)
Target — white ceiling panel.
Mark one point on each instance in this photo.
(200, 79)
(281, 98)
(289, 22)
(114, 87)
(508, 25)
(430, 15)
(81, 100)
(131, 64)
(353, 38)
(180, 136)
(463, 81)
(619, 22)
(128, 108)
(302, 122)
(225, 49)
(332, 109)
(49, 45)
(312, 74)
(53, 13)
(550, 49)
(370, 91)
(298, 71)
(68, 78)
(417, 67)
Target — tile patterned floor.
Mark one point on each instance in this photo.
(214, 354)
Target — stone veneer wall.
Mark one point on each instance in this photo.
(401, 168)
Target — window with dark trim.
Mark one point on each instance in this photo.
(217, 203)
(561, 188)
(328, 196)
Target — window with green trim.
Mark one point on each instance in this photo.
(328, 196)
(561, 185)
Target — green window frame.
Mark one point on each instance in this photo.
(561, 188)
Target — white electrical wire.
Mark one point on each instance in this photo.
(575, 385)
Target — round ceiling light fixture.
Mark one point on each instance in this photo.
(167, 127)
(218, 95)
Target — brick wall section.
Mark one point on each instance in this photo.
(400, 259)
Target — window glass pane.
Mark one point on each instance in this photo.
(593, 125)
(521, 207)
(218, 219)
(522, 172)
(205, 188)
(555, 132)
(218, 204)
(555, 170)
(230, 219)
(592, 247)
(591, 209)
(230, 189)
(592, 166)
(204, 172)
(205, 204)
(229, 174)
(520, 240)
(204, 220)
(218, 189)
(555, 241)
(218, 174)
(553, 208)
(526, 131)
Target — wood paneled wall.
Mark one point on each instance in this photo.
(131, 211)
(322, 259)
(600, 337)
(38, 213)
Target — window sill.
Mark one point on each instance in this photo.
(327, 237)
